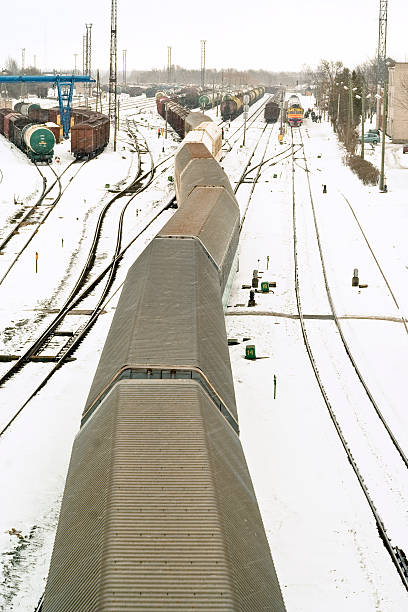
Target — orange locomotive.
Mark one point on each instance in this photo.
(294, 112)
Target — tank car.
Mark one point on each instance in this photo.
(189, 97)
(39, 142)
(231, 107)
(36, 141)
(204, 101)
(27, 107)
(135, 91)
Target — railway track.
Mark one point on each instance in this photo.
(20, 234)
(59, 340)
(360, 424)
(59, 337)
(377, 263)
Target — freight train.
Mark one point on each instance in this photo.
(159, 511)
(181, 119)
(233, 104)
(191, 97)
(271, 113)
(36, 141)
(294, 111)
(89, 131)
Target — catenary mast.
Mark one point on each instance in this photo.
(203, 63)
(113, 69)
(382, 81)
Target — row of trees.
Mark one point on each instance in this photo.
(227, 77)
(14, 90)
(342, 92)
(349, 97)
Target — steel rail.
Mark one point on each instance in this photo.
(379, 523)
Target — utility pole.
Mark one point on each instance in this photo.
(75, 62)
(246, 108)
(169, 65)
(281, 115)
(363, 94)
(338, 111)
(22, 90)
(84, 54)
(88, 66)
(350, 117)
(113, 69)
(381, 52)
(384, 129)
(98, 92)
(203, 63)
(382, 80)
(124, 66)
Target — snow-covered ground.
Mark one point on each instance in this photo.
(323, 539)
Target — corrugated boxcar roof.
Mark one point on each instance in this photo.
(187, 152)
(169, 316)
(211, 214)
(194, 119)
(167, 512)
(209, 133)
(202, 172)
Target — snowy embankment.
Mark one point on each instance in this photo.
(322, 535)
(323, 539)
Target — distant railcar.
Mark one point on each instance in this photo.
(271, 113)
(90, 137)
(36, 141)
(135, 91)
(233, 104)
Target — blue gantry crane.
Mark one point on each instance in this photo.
(65, 85)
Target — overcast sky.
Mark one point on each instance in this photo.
(250, 34)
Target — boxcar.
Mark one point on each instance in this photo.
(272, 111)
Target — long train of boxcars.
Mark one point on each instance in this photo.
(35, 131)
(159, 511)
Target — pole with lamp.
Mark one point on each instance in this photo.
(383, 186)
(364, 97)
(246, 108)
(338, 105)
(350, 105)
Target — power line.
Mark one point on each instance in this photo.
(113, 69)
(203, 63)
